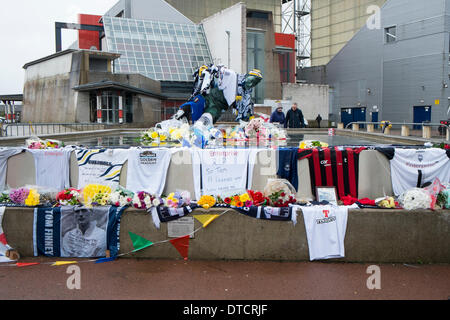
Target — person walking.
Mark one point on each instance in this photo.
(294, 118)
(319, 119)
(278, 116)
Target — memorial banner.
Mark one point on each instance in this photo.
(77, 232)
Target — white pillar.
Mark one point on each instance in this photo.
(120, 108)
(13, 112)
(99, 107)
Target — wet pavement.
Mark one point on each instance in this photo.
(135, 279)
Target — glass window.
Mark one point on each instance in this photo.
(255, 60)
(150, 41)
(391, 34)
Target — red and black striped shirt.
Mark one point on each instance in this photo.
(334, 167)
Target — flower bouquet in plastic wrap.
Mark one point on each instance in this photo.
(69, 197)
(280, 192)
(95, 195)
(177, 199)
(144, 200)
(121, 197)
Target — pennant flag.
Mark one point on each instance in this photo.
(62, 263)
(182, 245)
(26, 264)
(103, 260)
(139, 243)
(206, 219)
(3, 239)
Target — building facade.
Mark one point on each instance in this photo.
(78, 86)
(397, 72)
(334, 23)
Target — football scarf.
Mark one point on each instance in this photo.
(164, 214)
(334, 167)
(76, 232)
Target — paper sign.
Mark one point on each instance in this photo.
(181, 227)
(224, 172)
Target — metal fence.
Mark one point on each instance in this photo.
(31, 129)
(443, 129)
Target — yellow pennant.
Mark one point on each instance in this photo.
(62, 263)
(206, 219)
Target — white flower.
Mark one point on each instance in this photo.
(156, 202)
(415, 198)
(136, 200)
(148, 201)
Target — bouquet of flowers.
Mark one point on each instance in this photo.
(18, 196)
(207, 202)
(37, 143)
(177, 199)
(121, 197)
(280, 193)
(144, 200)
(308, 144)
(255, 127)
(4, 198)
(258, 198)
(415, 198)
(69, 197)
(239, 201)
(33, 198)
(96, 194)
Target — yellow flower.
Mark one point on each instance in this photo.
(162, 137)
(92, 190)
(244, 197)
(207, 202)
(32, 199)
(154, 135)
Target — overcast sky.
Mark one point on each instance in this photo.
(27, 33)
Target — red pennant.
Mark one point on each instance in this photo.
(3, 239)
(26, 264)
(182, 245)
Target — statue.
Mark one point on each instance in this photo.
(216, 89)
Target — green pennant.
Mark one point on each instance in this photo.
(139, 243)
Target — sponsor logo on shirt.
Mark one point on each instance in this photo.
(326, 219)
(147, 157)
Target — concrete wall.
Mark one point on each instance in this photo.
(232, 19)
(312, 99)
(378, 236)
(381, 236)
(47, 94)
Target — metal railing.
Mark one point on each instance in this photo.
(422, 124)
(31, 129)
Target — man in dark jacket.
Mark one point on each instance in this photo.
(278, 116)
(294, 118)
